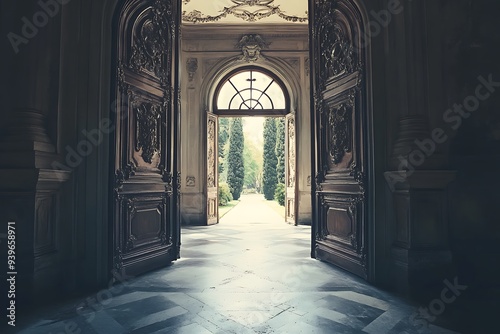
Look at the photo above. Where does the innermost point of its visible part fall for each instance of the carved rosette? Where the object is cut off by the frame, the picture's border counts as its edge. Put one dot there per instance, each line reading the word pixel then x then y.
pixel 340 126
pixel 211 154
pixel 148 122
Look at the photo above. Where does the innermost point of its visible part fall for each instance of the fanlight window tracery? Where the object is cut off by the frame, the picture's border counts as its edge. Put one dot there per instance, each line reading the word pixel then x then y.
pixel 251 92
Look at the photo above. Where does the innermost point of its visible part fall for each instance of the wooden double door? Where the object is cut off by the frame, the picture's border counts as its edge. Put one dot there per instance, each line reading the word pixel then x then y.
pixel 145 174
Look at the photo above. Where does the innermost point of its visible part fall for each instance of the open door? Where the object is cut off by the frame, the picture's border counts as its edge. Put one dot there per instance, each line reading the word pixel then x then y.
pixel 290 170
pixel 145 219
pixel 340 114
pixel 212 170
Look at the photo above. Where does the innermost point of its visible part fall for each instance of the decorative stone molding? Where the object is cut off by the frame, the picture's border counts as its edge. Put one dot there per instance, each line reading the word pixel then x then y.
pixel 241 9
pixel 192 67
pixel 190 181
pixel 250 46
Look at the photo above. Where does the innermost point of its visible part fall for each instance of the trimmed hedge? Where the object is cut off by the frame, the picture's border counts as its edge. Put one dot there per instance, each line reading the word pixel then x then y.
pixel 224 194
pixel 279 194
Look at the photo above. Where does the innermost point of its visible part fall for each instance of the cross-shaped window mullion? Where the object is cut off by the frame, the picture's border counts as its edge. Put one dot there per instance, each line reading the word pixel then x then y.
pixel 237 91
pixel 264 91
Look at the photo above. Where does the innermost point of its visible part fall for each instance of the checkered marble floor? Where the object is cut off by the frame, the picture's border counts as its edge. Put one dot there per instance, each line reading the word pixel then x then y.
pixel 251 273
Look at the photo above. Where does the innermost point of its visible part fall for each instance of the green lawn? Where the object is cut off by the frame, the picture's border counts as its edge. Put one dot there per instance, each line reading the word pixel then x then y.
pixel 226 208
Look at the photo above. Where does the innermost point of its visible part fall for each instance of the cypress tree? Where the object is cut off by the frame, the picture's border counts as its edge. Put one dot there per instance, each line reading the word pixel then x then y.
pixel 235 164
pixel 280 149
pixel 269 176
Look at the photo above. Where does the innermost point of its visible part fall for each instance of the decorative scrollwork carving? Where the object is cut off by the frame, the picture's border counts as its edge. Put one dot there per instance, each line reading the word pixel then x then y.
pixel 319 178
pixel 211 154
pixel 163 238
pixel 241 9
pixel 148 132
pixel 150 46
pixel 118 259
pixel 359 176
pixel 121 175
pixel 178 191
pixel 291 152
pixel 120 76
pixel 131 242
pixel 354 241
pixel 192 67
pixel 340 124
pixel 337 52
pixel 190 181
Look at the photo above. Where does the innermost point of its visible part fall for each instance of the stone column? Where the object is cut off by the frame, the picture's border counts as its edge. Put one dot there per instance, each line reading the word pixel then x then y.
pixel 417 176
pixel 28 181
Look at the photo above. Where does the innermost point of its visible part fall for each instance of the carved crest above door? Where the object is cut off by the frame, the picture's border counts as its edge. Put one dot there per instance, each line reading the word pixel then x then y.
pixel 250 46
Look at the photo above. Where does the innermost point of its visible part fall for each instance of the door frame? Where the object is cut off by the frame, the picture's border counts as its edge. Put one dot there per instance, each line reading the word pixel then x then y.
pixel 226 67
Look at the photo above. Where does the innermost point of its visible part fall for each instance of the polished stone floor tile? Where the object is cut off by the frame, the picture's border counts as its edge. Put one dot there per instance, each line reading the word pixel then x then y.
pixel 252 273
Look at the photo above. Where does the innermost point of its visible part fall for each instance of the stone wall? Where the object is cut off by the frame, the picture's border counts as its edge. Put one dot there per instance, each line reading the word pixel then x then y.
pixel 208 53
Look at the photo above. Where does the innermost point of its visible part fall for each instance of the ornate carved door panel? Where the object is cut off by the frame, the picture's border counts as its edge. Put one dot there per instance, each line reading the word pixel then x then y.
pixel 145 191
pixel 340 142
pixel 212 173
pixel 290 175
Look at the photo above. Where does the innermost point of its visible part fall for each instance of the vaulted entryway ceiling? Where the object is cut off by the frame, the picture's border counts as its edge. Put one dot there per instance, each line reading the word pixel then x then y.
pixel 244 11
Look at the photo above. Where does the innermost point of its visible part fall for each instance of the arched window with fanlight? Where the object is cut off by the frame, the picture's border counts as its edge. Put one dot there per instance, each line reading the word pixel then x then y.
pixel 251 91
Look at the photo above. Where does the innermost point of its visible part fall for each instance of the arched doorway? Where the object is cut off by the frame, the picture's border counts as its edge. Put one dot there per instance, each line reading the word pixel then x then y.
pixel 250 91
pixel 145 167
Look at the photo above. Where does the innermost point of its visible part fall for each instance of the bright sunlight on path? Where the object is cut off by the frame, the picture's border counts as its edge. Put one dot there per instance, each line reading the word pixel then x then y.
pixel 252 208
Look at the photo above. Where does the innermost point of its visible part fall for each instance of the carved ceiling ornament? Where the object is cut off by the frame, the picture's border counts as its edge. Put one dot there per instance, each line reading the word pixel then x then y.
pixel 148 121
pixel 250 46
pixel 340 128
pixel 337 51
pixel 247 10
pixel 150 44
